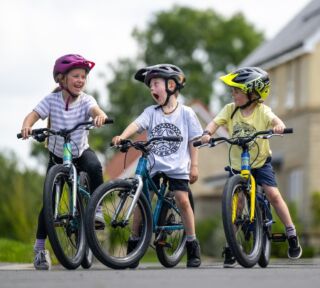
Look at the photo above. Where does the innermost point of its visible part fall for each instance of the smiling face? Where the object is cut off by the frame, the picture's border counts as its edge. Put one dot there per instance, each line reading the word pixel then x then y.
pixel 75 80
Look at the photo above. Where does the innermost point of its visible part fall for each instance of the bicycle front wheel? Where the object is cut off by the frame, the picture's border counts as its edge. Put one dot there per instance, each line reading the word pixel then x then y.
pixel 244 237
pixel 170 243
pixel 84 182
pixel 110 244
pixel 65 229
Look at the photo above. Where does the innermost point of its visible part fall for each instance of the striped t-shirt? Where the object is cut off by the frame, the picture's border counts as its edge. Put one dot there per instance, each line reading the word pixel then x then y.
pixel 54 105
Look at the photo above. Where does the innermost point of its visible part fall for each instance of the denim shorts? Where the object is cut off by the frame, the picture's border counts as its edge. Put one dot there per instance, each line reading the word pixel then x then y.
pixel 263 175
pixel 174 184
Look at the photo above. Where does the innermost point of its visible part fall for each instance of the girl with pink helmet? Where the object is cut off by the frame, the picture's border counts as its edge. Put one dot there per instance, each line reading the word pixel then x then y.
pixel 66 106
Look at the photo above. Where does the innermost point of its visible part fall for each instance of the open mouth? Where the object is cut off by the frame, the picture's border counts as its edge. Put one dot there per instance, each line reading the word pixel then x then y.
pixel 156 96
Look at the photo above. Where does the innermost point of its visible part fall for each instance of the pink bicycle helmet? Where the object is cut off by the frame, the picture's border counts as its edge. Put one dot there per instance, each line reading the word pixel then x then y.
pixel 70 61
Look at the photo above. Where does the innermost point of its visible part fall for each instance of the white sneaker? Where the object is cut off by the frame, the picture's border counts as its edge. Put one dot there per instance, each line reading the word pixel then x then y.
pixel 99 222
pixel 42 260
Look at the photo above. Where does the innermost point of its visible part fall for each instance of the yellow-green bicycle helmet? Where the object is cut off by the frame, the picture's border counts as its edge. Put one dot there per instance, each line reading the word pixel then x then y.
pixel 250 80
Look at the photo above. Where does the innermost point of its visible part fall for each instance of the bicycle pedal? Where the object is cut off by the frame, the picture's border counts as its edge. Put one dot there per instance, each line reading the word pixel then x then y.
pixel 163 244
pixel 278 237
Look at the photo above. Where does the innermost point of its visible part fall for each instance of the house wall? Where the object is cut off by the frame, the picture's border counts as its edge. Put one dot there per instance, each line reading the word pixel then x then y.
pixel 302 112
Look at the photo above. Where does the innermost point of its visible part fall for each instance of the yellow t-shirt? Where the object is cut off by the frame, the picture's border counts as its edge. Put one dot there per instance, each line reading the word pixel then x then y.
pixel 259 120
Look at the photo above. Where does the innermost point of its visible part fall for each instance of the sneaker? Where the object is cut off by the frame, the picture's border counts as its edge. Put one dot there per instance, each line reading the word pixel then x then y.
pixel 295 250
pixel 42 260
pixel 193 253
pixel 99 221
pixel 229 259
pixel 132 244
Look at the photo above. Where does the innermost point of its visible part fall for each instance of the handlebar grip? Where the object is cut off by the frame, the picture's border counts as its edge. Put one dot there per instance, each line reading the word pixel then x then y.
pixel 197 143
pixel 287 130
pixel 108 121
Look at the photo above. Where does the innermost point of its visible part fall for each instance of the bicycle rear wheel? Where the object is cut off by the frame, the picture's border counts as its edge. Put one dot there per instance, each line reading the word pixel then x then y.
pixel 170 244
pixel 243 236
pixel 266 241
pixel 110 245
pixel 66 232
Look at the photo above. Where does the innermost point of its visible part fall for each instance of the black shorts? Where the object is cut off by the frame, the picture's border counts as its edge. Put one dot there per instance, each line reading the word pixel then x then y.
pixel 174 184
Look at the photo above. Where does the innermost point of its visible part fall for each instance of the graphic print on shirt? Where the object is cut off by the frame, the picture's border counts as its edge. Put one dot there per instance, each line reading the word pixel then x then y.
pixel 241 129
pixel 165 148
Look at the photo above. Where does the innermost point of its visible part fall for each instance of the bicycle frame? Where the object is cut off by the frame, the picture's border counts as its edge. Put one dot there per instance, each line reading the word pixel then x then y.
pixel 145 183
pixel 246 173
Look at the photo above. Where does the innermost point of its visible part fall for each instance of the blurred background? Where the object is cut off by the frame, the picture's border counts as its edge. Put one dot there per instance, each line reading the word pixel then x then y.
pixel 206 38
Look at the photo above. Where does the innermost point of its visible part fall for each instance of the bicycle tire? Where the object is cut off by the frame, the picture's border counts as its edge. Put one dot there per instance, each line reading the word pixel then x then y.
pixel 110 245
pixel 88 255
pixel 171 245
pixel 266 243
pixel 66 233
pixel 244 238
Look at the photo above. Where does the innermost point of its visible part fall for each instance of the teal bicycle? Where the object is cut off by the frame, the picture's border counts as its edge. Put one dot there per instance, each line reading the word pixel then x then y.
pixel 129 212
pixel 66 195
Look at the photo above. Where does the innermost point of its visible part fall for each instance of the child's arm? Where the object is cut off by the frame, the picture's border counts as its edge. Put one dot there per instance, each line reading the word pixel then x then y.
pixel 194 172
pixel 99 117
pixel 27 124
pixel 130 130
pixel 278 125
pixel 211 128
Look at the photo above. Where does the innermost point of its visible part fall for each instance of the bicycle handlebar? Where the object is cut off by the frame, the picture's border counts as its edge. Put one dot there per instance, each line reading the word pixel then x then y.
pixel 62 132
pixel 242 140
pixel 125 144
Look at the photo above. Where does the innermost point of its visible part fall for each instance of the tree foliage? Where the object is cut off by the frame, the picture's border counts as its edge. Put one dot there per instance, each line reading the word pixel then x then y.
pixel 201 42
pixel 21 198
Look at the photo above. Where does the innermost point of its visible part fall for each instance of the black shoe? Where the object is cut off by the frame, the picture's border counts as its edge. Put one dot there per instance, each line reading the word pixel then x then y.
pixel 229 259
pixel 295 250
pixel 132 244
pixel 193 253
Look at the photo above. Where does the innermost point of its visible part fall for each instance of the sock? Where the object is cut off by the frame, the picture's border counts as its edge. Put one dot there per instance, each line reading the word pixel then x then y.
pixel 39 245
pixel 291 231
pixel 191 238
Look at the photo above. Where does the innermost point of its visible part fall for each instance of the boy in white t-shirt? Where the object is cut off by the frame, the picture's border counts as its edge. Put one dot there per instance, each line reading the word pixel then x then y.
pixel 178 160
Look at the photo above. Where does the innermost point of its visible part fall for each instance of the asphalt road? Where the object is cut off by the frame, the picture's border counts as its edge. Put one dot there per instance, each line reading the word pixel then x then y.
pixel 280 273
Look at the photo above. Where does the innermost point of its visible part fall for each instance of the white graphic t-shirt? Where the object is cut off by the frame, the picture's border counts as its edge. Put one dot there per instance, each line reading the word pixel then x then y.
pixel 172 158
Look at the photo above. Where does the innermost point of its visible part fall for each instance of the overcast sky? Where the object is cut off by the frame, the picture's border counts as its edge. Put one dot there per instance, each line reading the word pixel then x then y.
pixel 33 33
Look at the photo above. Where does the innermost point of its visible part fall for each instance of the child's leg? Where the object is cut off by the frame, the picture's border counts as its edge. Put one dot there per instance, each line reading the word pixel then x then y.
pixel 193 247
pixel 276 200
pixel 183 203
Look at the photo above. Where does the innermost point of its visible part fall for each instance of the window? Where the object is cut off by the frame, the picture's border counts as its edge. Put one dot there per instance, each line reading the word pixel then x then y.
pixel 289 102
pixel 295 186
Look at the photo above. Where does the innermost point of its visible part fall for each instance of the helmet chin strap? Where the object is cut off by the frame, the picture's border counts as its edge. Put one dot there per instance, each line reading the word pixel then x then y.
pixel 245 105
pixel 169 94
pixel 70 96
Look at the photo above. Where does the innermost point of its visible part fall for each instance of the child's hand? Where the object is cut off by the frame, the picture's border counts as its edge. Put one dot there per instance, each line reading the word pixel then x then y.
pixel 194 173
pixel 26 132
pixel 205 138
pixel 116 140
pixel 99 120
pixel 278 129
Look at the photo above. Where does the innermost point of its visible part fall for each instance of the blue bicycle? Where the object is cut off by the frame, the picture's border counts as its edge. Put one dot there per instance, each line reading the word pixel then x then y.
pixel 132 217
